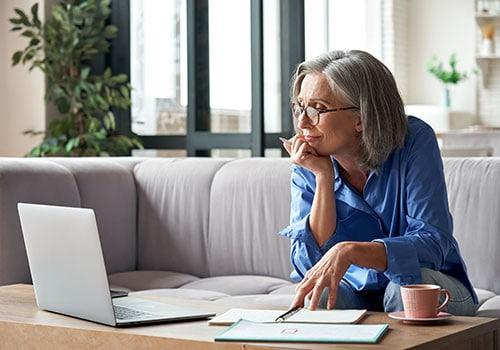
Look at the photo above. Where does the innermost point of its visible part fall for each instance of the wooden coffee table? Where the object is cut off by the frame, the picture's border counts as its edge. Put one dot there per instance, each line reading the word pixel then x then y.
pixel 23 326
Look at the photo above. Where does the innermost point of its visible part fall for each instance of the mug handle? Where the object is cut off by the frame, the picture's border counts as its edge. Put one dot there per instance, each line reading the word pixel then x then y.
pixel 446 300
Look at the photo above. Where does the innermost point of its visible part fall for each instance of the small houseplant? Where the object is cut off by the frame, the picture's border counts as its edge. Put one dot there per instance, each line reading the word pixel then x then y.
pixel 447 77
pixel 63 48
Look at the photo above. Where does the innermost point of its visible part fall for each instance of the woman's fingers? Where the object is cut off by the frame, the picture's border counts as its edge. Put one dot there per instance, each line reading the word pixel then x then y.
pixel 332 295
pixel 302 290
pixel 316 293
pixel 302 151
pixel 287 144
pixel 296 144
pixel 298 149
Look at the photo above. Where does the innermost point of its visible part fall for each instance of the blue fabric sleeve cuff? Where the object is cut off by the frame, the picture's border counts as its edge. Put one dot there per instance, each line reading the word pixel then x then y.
pixel 403 266
pixel 300 231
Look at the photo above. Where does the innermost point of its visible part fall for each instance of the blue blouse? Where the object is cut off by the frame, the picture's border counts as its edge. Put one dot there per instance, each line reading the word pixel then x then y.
pixel 404 206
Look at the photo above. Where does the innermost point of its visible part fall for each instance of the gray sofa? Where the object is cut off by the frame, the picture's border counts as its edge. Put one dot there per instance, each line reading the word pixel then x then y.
pixel 206 228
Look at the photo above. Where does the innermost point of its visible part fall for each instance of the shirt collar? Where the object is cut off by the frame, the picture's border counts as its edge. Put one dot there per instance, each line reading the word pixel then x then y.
pixel 345 194
pixel 338 180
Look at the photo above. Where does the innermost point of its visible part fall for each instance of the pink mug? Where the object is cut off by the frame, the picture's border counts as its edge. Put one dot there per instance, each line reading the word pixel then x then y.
pixel 422 300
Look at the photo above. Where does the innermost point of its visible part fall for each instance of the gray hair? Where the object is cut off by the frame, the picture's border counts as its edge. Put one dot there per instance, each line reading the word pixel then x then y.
pixel 366 83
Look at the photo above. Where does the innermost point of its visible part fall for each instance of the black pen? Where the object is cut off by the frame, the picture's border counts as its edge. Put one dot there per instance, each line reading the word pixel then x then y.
pixel 287 314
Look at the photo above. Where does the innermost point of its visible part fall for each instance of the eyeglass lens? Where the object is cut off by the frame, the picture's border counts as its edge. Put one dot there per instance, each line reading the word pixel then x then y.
pixel 311 112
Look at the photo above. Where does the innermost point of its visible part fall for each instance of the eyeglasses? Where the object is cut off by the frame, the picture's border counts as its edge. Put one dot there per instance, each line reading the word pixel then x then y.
pixel 313 113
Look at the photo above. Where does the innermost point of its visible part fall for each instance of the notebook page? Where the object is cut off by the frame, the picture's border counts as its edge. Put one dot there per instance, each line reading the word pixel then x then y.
pixel 234 315
pixel 327 316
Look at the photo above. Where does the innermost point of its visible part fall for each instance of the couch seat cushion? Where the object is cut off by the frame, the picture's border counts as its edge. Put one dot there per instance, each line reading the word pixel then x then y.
pixel 238 284
pixel 258 301
pixel 288 289
pixel 143 280
pixel 183 293
pixel 490 308
pixel 483 295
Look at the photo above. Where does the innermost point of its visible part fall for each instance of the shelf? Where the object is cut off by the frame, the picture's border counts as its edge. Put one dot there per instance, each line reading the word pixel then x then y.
pixel 487 18
pixel 484 64
pixel 492 57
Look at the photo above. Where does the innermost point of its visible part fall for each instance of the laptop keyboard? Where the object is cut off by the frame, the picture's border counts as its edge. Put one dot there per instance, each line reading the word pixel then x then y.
pixel 124 313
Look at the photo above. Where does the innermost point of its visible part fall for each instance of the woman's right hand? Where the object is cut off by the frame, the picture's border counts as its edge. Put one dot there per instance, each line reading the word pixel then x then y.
pixel 303 154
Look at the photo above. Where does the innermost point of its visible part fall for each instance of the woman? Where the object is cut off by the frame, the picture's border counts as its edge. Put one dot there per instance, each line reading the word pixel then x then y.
pixel 369 205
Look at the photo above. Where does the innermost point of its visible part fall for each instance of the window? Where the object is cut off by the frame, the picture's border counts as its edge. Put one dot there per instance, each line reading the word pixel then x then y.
pixel 230 66
pixel 205 77
pixel 343 24
pixel 158 67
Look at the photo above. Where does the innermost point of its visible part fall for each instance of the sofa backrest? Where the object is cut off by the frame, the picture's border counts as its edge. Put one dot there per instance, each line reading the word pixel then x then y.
pixel 173 213
pixel 249 204
pixel 474 195
pixel 211 217
pixel 106 185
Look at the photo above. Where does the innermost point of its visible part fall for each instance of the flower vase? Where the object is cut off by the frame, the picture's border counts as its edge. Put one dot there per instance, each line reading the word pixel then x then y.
pixel 446 102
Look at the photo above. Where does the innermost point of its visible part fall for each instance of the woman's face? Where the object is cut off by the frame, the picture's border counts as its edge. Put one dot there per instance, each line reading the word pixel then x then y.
pixel 337 133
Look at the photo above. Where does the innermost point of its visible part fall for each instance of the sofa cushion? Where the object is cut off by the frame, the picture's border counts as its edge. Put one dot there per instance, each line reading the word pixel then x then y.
pixel 184 293
pixel 483 295
pixel 143 280
pixel 108 187
pixel 288 289
pixel 32 181
pixel 261 301
pixel 490 308
pixel 473 189
pixel 249 204
pixel 173 209
pixel 238 285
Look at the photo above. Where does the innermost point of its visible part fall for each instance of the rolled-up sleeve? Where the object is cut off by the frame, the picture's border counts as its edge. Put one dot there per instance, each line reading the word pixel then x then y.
pixel 305 252
pixel 428 234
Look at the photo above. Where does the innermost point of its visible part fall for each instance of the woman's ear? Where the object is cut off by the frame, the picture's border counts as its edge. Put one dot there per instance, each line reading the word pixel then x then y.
pixel 358 126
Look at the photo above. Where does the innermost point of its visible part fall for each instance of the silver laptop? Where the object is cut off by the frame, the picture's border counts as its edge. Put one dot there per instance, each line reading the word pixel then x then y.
pixel 68 272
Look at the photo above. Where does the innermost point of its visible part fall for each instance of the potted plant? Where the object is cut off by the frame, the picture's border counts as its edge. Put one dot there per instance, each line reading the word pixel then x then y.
pixel 63 48
pixel 447 77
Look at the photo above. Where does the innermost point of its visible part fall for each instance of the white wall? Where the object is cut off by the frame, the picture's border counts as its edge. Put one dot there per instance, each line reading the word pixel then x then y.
pixel 441 27
pixel 22 103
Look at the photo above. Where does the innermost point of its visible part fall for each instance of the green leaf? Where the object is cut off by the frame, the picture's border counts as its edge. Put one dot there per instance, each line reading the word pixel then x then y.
pixel 101 134
pixel 84 73
pixel 16 57
pixel 72 143
pixel 107 123
pixel 36 19
pixel 15 21
pixel 24 19
pixel 62 104
pixel 110 32
pixel 112 120
pixel 120 78
pixel 28 33
pixel 107 73
pixel 15 29
pixel 124 91
pixel 29 55
pixel 34 42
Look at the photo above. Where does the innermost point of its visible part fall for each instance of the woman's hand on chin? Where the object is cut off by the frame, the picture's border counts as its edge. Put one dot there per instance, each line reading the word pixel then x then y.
pixel 327 273
pixel 303 154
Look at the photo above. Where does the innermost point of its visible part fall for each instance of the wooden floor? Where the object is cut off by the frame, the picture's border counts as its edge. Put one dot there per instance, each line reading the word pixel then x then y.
pixel 23 326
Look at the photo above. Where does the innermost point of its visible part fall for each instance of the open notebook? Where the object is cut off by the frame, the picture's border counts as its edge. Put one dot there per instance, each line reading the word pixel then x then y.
pixel 301 316
pixel 302 332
